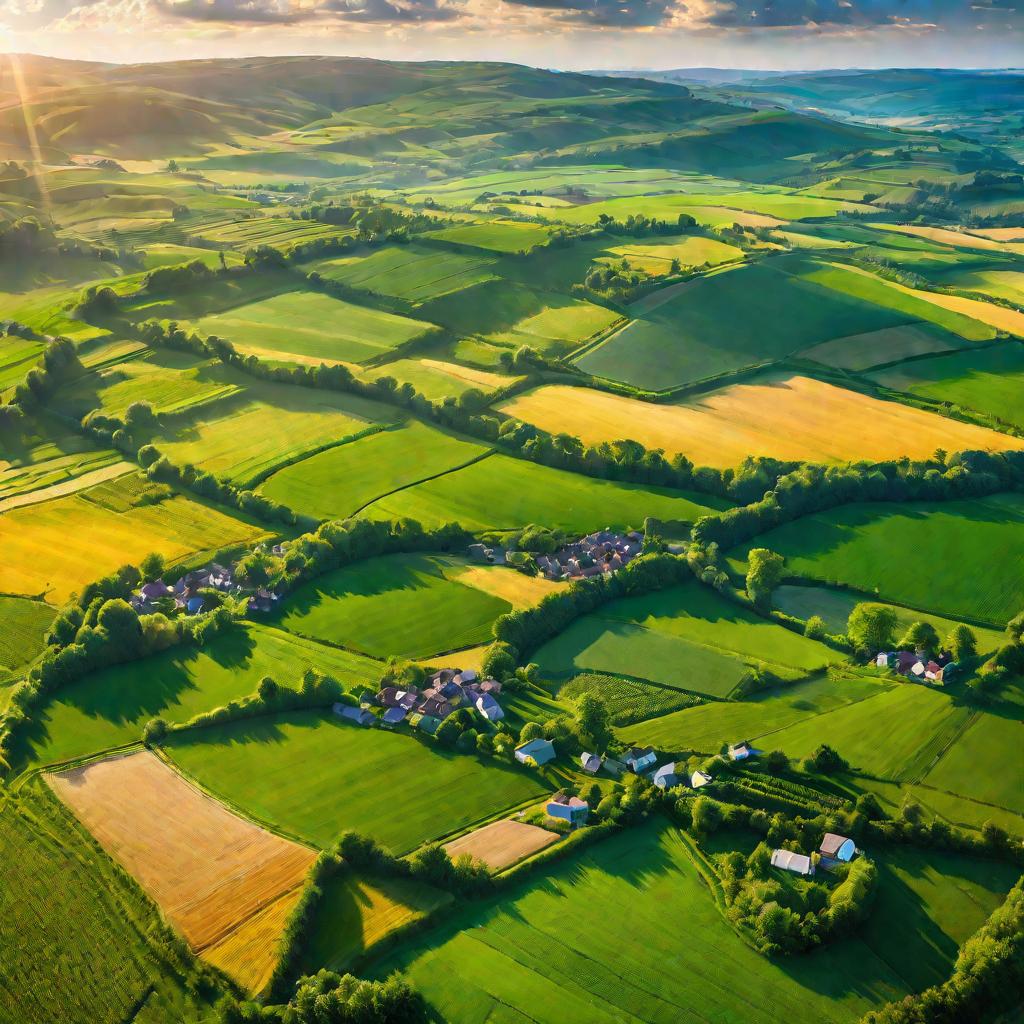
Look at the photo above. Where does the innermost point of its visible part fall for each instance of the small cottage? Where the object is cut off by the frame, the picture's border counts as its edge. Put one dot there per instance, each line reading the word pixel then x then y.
pixel 489 708
pixel 353 714
pixel 591 762
pixel 639 758
pixel 570 808
pixel 699 779
pixel 740 751
pixel 537 752
pixel 798 863
pixel 665 777
pixel 837 847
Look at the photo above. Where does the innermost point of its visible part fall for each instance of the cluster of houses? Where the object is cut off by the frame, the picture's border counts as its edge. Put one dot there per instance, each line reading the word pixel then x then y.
pixel 425 709
pixel 595 554
pixel 918 667
pixel 834 849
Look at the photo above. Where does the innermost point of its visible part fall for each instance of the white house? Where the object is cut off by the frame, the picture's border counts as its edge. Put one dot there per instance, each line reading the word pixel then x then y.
pixel 798 863
pixel 740 751
pixel 640 758
pixel 489 708
pixel 698 779
pixel 591 762
pixel 837 847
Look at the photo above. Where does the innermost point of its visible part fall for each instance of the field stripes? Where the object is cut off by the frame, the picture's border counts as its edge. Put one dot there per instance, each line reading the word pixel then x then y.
pixel 70 486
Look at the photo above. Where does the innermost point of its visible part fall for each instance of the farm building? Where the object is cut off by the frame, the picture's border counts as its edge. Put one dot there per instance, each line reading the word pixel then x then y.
pixel 740 751
pixel 698 779
pixel 591 762
pixel 639 758
pixel 571 808
pixel 597 553
pixel 392 697
pixel 536 752
pixel 613 767
pixel 352 714
pixel 837 847
pixel 489 708
pixel 798 863
pixel 916 666
pixel 194 605
pixel 665 777
pixel 394 716
pixel 154 591
pixel 426 723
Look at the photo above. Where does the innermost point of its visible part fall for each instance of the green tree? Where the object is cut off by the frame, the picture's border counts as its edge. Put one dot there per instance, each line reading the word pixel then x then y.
pixel 764 573
pixel 449 731
pixel 593 721
pixel 826 760
pixel 962 643
pixel 815 628
pixel 920 637
pixel 706 815
pixel 152 566
pixel 776 761
pixel 154 732
pixel 530 731
pixel 871 627
pixel 121 624
pixel 267 689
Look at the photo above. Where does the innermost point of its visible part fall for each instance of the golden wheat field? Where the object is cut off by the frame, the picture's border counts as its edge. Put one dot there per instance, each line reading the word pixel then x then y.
pixel 502 843
pixel 520 590
pixel 212 873
pixel 785 417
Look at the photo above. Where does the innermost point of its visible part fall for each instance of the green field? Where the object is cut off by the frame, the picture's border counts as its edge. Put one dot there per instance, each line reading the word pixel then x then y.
pixel 73 940
pixel 504 493
pixel 628 700
pixel 395 605
pixel 555 952
pixel 55 462
pixel 881 549
pixel 438 379
pixel 338 482
pixel 110 708
pixel 23 627
pixel 889 345
pixel 315 776
pixel 990 381
pixel 312 327
pixel 503 236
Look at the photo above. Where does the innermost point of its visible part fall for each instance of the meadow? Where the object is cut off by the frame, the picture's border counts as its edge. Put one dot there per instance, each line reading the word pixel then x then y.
pixel 438 379
pixel 313 327
pixel 781 416
pixel 53 548
pixel 338 482
pixel 402 605
pixel 691 251
pixel 109 708
pixel 23 628
pixel 916 554
pixel 628 700
pixel 503 493
pixel 289 770
pixel 889 345
pixel 501 236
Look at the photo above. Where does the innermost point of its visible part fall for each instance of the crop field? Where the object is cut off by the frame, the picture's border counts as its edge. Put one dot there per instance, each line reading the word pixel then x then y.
pixel 545 953
pixel 209 870
pixel 23 627
pixel 785 417
pixel 71 937
pixel 502 236
pixel 559 326
pixel 313 326
pixel 989 380
pixel 439 378
pixel 628 700
pixel 338 482
pixel 676 335
pixel 889 345
pixel 520 590
pixel 690 251
pixel 502 843
pixel 907 553
pixel 398 604
pixel 500 492
pixel 415 273
pixel 835 605
pixel 53 548
pixel 358 912
pixel 108 708
pixel 707 726
pixel 276 231
pixel 290 769
pixel 1003 284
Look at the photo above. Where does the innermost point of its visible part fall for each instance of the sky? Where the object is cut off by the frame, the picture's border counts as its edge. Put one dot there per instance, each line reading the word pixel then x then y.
pixel 563 34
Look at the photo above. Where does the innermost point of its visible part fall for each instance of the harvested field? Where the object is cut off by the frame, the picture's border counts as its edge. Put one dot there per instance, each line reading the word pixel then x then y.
pixel 502 843
pixel 438 378
pixel 209 870
pixel 782 417
pixel 945 236
pixel 520 590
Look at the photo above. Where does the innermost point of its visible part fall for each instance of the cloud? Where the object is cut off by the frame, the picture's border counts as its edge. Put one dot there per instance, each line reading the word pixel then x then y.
pixel 393 11
pixel 863 14
pixel 608 13
pixel 397 12
pixel 28 14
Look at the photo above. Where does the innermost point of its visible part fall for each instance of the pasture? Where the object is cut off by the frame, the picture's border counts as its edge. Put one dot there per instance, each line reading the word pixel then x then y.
pixel 23 628
pixel 503 493
pixel 889 345
pixel 312 327
pixel 292 770
pixel 209 870
pixel 56 464
pixel 907 554
pixel 403 605
pixel 1002 284
pixel 51 549
pixel 109 708
pixel 785 417
pixel 691 251
pixel 499 236
pixel 628 700
pixel 438 378
pixel 502 843
pixel 338 482
pixel 547 952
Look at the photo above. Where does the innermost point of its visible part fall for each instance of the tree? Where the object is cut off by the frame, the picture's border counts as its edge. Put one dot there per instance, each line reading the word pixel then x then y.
pixel 920 637
pixel 139 414
pixel 448 732
pixel 328 998
pixel 962 643
pixel 764 573
pixel 530 731
pixel 172 166
pixel 776 761
pixel 815 628
pixel 593 721
pixel 826 760
pixel 267 689
pixel 871 627
pixel 154 732
pixel 255 569
pixel 121 624
pixel 707 815
pixel 152 566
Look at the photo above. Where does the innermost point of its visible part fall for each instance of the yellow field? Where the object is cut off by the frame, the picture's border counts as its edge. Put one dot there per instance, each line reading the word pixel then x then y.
pixel 218 878
pixel 656 258
pixel 471 657
pixel 480 378
pixel 65 487
pixel 53 548
pixel 502 843
pixel 783 417
pixel 944 236
pixel 1000 234
pixel 520 590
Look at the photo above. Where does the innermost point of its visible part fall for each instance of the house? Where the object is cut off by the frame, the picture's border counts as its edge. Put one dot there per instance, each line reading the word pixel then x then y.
pixel 394 716
pixel 699 778
pixel 740 751
pixel 427 724
pixel 489 708
pixel 194 605
pixel 443 676
pixel 468 676
pixel 639 758
pixel 155 591
pixel 435 707
pixel 491 686
pixel 192 581
pixel 278 550
pixel 665 777
pixel 613 767
pixel 917 669
pixel 537 752
pixel 933 671
pixel 356 715
pixel 903 661
pixel 221 578
pixel 591 762
pixel 882 659
pixel 571 808
pixel 837 847
pixel 480 553
pixel 798 863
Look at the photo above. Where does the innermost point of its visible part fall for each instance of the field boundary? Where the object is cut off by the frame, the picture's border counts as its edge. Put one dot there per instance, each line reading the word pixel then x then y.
pixel 70 486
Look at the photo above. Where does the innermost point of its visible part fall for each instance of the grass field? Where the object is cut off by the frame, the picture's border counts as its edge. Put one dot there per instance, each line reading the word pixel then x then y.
pixel 520 590
pixel 784 417
pixel 312 326
pixel 504 493
pixel 338 482
pixel 628 700
pixel 559 325
pixel 72 939
pixel 53 548
pixel 1003 284
pixel 439 378
pixel 502 843
pixel 550 953
pixel 912 554
pixel 691 251
pixel 395 605
pixel 209 870
pixel 23 627
pixel 889 345
pixel 356 913
pixel 502 236
pixel 315 776
pixel 109 708
pixel 989 381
